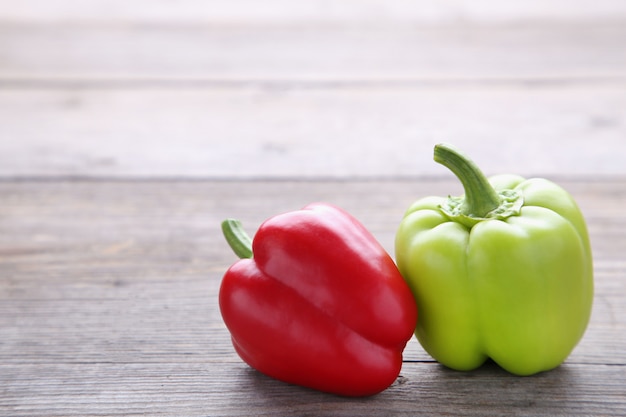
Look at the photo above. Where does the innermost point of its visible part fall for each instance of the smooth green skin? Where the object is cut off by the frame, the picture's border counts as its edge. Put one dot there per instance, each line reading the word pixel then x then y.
pixel 518 291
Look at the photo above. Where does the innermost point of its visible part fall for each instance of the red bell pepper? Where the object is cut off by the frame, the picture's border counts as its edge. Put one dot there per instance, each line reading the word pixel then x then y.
pixel 320 304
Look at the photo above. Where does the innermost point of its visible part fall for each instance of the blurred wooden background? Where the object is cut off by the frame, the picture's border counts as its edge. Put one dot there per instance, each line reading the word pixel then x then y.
pixel 129 130
pixel 307 89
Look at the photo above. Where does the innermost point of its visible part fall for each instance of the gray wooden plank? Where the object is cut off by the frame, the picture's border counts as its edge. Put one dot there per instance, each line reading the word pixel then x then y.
pixel 341 132
pixel 173 389
pixel 93 51
pixel 108 305
pixel 277 11
pixel 138 265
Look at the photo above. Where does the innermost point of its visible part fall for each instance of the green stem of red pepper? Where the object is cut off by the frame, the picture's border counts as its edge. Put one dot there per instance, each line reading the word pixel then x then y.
pixel 481 201
pixel 237 238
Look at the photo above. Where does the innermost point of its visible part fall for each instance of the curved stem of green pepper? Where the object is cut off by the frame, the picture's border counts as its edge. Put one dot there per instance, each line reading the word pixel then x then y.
pixel 237 238
pixel 480 197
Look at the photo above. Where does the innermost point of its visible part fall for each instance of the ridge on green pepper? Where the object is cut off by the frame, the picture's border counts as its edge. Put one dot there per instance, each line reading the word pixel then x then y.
pixel 503 272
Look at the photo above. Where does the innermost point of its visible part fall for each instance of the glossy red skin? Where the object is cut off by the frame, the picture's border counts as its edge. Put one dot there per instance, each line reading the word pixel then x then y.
pixel 321 305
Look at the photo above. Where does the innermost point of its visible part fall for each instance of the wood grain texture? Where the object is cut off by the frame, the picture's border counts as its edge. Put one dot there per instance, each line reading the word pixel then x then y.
pixel 108 305
pixel 281 11
pixel 301 51
pixel 335 132
pixel 172 389
pixel 309 89
pixel 129 130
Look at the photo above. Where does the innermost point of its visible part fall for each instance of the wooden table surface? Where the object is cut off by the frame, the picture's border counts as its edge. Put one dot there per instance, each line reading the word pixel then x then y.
pixel 129 130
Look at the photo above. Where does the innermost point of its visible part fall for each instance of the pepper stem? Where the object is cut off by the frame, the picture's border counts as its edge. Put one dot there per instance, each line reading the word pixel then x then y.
pixel 480 197
pixel 237 238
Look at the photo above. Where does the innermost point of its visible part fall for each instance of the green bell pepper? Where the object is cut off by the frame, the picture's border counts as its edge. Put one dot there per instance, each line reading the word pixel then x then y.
pixel 504 272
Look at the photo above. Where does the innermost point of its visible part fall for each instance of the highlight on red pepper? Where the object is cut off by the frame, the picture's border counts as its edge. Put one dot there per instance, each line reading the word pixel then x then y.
pixel 316 301
pixel 504 272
